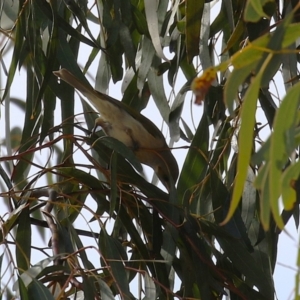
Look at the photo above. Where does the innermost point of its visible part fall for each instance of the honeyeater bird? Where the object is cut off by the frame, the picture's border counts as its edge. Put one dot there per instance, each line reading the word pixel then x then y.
pixel 131 128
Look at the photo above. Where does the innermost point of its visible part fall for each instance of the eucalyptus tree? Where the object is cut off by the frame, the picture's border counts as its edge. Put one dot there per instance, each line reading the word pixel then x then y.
pixel 81 216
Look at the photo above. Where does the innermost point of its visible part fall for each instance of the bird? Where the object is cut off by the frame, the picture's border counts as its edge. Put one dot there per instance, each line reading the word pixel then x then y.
pixel 130 127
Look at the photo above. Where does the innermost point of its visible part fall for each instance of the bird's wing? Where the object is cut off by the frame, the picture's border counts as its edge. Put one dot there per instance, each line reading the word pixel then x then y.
pixel 95 97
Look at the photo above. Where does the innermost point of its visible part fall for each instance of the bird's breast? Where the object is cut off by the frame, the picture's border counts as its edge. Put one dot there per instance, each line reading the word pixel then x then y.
pixel 125 128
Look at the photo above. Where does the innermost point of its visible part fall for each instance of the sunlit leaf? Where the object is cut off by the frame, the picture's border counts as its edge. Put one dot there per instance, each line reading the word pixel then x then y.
pixel 282 143
pixel 252 53
pixel 236 35
pixel 245 138
pixel 289 177
pixel 255 10
pixel 290 34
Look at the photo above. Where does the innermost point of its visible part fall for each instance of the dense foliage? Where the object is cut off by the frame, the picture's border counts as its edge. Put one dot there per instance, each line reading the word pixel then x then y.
pixel 112 231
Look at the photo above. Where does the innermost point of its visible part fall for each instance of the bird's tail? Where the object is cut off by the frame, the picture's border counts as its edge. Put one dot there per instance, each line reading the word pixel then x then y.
pixel 85 88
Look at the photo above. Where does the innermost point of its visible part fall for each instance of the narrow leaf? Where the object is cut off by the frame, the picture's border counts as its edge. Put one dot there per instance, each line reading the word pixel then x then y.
pixel 282 144
pixel 152 21
pixel 194 10
pixel 127 43
pixel 113 184
pixel 246 133
pixel 23 290
pixel 109 249
pixel 124 151
pixel 23 240
pixel 288 178
pixel 105 291
pixel 254 10
pixel 37 291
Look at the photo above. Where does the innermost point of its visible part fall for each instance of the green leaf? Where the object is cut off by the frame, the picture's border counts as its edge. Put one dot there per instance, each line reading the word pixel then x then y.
pixel 297 276
pixel 156 87
pixel 175 117
pixel 115 57
pixel 262 154
pixel 89 287
pixel 127 43
pixel 105 291
pixel 48 120
pixel 290 34
pixel 249 199
pixel 140 21
pixel 151 11
pixel 121 149
pixel 29 134
pixel 252 53
pixel 37 291
pixel 193 10
pixel 195 163
pixel 262 183
pixel 23 240
pixel 247 265
pixel 85 259
pixel 148 52
pixel 268 105
pixel 19 42
pixel 150 290
pixel 47 71
pixel 254 10
pixel 103 74
pixel 65 26
pixel 79 12
pixel 78 196
pixel 32 273
pixel 245 141
pixel 22 289
pixel 282 144
pixel 113 260
pixel 113 184
pixel 262 252
pixel 11 221
pixel 236 35
pixel 236 78
pixel 288 178
pixel 83 177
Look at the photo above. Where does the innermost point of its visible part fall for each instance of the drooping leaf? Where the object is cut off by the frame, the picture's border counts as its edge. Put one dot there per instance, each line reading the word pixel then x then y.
pixel 23 239
pixel 151 11
pixel 195 163
pixel 254 10
pixel 113 259
pixel 36 290
pixel 193 10
pixel 245 138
